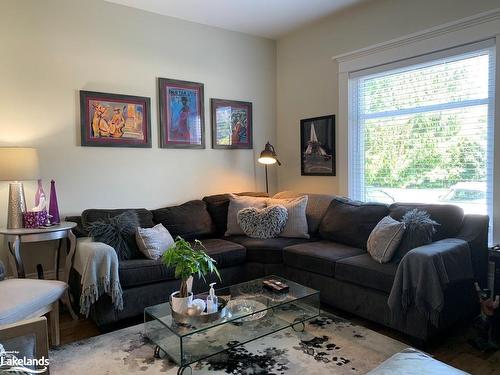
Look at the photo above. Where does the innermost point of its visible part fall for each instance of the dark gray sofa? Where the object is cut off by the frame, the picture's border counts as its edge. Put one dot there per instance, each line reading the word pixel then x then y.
pixel 333 261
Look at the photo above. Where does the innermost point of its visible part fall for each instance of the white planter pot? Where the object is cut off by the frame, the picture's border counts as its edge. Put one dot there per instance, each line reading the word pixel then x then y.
pixel 180 305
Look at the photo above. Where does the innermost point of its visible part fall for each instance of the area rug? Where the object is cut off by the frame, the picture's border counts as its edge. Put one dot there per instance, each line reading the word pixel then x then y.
pixel 328 345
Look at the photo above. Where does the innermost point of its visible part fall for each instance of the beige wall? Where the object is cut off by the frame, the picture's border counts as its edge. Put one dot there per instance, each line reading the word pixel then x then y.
pixel 307 83
pixel 51 49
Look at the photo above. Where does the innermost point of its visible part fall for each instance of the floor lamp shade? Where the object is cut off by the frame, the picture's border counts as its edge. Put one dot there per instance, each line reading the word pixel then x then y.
pixel 16 165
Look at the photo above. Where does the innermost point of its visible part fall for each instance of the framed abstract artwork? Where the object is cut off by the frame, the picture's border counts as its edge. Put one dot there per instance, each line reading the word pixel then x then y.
pixel 113 120
pixel 182 114
pixel 317 146
pixel 231 124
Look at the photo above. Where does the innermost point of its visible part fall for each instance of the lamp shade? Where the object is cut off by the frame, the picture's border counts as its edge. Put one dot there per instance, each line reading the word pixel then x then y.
pixel 268 155
pixel 18 164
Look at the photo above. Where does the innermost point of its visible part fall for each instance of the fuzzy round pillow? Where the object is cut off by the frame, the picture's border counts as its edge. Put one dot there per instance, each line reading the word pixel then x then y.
pixel 263 223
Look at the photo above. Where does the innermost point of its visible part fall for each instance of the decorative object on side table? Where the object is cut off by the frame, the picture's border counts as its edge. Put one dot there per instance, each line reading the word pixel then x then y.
pixel 17 164
pixel 53 205
pixel 231 124
pixel 268 156
pixel 182 114
pixel 317 146
pixel 187 261
pixel 112 120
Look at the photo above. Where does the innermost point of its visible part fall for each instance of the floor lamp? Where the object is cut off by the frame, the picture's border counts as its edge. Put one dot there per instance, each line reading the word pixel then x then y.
pixel 268 156
pixel 16 165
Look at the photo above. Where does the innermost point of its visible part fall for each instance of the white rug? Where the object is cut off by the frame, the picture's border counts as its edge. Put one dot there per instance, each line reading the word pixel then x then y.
pixel 329 345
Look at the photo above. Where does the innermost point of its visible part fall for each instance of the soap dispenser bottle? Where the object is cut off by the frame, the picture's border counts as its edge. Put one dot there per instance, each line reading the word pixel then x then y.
pixel 212 302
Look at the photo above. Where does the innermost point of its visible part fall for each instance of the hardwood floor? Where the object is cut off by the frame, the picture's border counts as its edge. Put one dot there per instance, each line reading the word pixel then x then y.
pixel 452 348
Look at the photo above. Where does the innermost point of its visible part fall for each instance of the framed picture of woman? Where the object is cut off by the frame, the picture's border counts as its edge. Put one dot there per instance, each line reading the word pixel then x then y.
pixel 182 115
pixel 231 124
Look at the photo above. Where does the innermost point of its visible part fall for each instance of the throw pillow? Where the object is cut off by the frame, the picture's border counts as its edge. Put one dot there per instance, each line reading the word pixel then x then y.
pixel 153 242
pixel 296 225
pixel 236 204
pixel 117 232
pixel 420 229
pixel 263 223
pixel 385 239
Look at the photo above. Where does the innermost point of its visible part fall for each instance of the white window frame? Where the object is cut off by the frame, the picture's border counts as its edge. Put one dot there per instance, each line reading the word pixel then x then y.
pixel 441 39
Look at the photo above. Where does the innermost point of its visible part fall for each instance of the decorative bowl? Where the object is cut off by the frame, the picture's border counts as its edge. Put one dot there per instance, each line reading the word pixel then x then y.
pixel 221 313
pixel 241 306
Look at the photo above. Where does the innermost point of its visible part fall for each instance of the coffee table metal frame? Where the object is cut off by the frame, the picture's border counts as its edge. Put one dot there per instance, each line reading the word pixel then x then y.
pixel 186 344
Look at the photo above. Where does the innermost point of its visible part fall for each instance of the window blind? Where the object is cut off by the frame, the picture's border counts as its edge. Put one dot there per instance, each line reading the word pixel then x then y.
pixel 422 130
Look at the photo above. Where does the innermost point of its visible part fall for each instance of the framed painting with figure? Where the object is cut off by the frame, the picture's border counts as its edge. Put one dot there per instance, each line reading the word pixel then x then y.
pixel 317 146
pixel 231 124
pixel 182 115
pixel 113 120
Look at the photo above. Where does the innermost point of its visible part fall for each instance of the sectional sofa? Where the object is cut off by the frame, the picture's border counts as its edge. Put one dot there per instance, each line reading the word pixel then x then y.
pixel 334 260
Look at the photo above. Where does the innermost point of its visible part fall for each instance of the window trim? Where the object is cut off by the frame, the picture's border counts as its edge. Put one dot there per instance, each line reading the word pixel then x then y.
pixel 477 28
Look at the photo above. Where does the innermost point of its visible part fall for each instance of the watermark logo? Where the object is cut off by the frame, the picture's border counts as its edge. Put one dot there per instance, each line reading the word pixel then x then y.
pixel 10 362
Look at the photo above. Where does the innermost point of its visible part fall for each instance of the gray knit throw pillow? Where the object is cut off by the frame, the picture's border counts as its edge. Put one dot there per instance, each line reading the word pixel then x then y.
pixel 117 232
pixel 420 229
pixel 263 223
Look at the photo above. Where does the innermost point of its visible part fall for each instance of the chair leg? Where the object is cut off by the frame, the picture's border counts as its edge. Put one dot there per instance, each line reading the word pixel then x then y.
pixel 54 324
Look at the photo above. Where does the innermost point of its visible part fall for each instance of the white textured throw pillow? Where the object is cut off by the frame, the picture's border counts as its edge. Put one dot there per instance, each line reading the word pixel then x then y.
pixel 384 239
pixel 153 242
pixel 236 204
pixel 296 225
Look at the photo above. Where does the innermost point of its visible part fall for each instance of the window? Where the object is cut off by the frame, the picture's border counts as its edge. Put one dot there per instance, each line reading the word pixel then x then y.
pixel 421 130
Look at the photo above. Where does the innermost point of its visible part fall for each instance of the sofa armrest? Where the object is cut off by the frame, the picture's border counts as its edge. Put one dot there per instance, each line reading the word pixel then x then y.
pixel 475 231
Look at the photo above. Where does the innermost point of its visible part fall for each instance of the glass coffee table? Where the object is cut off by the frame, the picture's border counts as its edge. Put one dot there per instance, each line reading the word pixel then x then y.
pixel 252 312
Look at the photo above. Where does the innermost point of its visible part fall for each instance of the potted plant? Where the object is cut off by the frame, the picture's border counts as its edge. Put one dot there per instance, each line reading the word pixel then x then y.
pixel 187 260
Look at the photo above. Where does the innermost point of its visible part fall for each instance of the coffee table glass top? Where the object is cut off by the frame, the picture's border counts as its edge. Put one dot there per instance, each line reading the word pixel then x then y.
pixel 253 312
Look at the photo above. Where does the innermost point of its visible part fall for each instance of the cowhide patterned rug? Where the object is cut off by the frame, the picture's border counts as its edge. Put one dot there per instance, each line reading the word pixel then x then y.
pixel 329 345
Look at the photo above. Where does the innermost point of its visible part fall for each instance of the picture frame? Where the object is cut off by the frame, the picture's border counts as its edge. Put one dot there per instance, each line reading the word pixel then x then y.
pixel 114 120
pixel 232 124
pixel 182 114
pixel 317 146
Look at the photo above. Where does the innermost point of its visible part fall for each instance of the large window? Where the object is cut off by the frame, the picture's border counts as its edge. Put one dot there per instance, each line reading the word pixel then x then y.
pixel 422 130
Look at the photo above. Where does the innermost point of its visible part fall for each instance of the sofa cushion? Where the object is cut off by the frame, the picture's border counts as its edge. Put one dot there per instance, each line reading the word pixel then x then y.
pixel 318 257
pixel 137 272
pixel 269 251
pixel 189 220
pixel 364 271
pixel 350 222
pixel 317 204
pixel 94 214
pixel 449 216
pixel 217 206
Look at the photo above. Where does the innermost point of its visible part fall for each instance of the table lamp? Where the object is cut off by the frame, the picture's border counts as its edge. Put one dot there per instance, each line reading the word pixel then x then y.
pixel 17 164
pixel 268 156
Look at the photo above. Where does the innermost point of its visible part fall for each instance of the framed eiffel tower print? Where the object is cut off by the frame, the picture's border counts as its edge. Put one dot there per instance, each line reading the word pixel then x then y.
pixel 317 146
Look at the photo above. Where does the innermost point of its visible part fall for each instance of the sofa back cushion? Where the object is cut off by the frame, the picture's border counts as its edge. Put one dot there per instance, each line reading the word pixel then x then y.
pixel 217 206
pixel 317 204
pixel 350 222
pixel 448 216
pixel 189 220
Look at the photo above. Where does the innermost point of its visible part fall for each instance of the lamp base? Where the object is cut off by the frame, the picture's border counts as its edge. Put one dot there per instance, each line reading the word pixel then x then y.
pixel 17 206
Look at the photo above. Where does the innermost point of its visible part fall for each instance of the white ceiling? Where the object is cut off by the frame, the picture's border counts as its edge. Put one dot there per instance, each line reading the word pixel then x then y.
pixel 267 18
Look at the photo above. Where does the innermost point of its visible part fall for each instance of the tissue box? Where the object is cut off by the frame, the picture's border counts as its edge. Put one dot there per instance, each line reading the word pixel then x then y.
pixel 35 219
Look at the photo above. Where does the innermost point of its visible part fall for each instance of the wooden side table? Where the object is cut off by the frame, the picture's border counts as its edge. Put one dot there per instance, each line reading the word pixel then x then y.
pixel 15 237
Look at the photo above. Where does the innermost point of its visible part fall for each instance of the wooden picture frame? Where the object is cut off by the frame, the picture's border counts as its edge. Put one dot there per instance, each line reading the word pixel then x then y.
pixel 114 120
pixel 182 114
pixel 232 126
pixel 317 146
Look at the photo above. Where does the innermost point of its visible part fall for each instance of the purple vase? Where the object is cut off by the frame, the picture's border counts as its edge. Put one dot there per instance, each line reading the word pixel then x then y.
pixel 39 193
pixel 53 207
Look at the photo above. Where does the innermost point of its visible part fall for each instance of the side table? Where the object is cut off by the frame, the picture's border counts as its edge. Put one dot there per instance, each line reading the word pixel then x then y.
pixel 494 256
pixel 15 237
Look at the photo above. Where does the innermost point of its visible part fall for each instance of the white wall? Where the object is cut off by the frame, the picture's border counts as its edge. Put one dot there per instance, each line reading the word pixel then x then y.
pixel 51 49
pixel 307 77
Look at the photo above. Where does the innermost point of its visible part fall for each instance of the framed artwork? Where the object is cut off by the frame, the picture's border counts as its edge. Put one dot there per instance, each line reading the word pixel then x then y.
pixel 231 124
pixel 182 114
pixel 317 146
pixel 112 120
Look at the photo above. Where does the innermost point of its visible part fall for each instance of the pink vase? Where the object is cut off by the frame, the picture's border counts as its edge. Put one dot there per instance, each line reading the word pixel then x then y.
pixel 53 207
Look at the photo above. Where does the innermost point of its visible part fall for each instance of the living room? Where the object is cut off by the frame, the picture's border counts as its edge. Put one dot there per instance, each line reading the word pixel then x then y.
pixel 133 129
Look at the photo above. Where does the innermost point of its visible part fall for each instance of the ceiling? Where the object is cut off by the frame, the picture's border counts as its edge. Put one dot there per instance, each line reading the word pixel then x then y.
pixel 267 18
